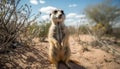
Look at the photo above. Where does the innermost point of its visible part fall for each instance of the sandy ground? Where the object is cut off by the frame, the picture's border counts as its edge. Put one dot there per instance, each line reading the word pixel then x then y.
pixel 36 57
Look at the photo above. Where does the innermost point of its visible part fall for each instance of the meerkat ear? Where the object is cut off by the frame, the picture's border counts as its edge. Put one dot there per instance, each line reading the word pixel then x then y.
pixel 62 11
pixel 50 14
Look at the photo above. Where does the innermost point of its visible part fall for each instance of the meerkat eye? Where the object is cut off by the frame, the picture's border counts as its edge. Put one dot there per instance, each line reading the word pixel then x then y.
pixel 55 12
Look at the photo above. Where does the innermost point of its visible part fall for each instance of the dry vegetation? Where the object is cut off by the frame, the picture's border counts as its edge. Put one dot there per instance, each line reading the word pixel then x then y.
pixel 23 42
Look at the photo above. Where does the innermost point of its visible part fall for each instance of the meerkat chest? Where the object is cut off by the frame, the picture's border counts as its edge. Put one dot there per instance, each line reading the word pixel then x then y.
pixel 59 32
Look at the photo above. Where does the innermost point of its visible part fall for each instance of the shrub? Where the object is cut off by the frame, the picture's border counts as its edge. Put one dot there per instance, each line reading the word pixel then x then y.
pixel 99 29
pixel 44 28
pixel 72 30
pixel 14 21
pixel 83 29
pixel 36 30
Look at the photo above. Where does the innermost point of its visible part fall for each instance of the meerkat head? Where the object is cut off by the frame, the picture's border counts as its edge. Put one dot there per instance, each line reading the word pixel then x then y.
pixel 57 16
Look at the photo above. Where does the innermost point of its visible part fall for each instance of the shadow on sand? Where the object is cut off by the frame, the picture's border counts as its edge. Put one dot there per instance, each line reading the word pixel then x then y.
pixel 24 58
pixel 72 64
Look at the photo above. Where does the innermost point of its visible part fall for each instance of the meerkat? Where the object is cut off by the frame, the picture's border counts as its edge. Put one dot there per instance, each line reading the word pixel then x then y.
pixel 58 38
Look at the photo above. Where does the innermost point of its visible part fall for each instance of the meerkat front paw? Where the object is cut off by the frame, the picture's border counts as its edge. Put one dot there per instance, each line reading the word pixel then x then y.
pixel 57 43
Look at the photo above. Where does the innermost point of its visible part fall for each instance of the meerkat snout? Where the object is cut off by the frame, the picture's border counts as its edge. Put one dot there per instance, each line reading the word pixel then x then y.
pixel 60 16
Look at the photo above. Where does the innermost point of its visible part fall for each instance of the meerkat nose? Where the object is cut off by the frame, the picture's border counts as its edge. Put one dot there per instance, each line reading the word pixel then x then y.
pixel 60 16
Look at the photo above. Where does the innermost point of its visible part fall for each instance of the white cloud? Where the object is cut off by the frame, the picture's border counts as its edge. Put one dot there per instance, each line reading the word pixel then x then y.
pixel 44 17
pixel 73 5
pixel 69 20
pixel 47 9
pixel 75 19
pixel 42 1
pixel 72 22
pixel 23 12
pixel 71 15
pixel 74 15
pixel 80 16
pixel 35 2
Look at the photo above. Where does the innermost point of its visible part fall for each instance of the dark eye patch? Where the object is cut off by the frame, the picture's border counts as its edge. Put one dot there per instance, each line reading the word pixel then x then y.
pixel 62 11
pixel 55 11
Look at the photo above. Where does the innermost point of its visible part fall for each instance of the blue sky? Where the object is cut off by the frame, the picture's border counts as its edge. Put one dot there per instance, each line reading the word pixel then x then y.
pixel 72 8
